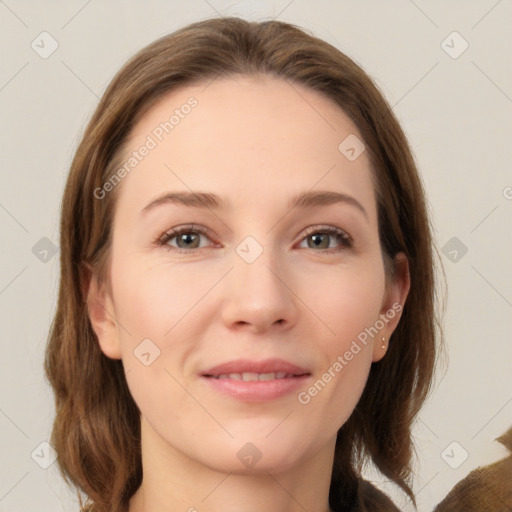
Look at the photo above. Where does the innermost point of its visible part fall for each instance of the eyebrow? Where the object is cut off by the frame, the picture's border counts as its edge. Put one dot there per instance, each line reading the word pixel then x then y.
pixel 214 202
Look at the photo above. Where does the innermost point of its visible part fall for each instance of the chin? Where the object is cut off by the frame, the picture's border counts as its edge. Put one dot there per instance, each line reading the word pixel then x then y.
pixel 267 464
pixel 261 455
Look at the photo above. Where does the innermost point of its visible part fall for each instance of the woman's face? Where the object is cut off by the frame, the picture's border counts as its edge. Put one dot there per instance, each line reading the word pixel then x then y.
pixel 295 290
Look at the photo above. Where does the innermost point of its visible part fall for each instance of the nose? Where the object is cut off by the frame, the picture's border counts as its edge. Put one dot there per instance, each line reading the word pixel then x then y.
pixel 258 296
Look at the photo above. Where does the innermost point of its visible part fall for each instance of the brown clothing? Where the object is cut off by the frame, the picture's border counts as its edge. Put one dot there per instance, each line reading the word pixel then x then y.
pixel 486 489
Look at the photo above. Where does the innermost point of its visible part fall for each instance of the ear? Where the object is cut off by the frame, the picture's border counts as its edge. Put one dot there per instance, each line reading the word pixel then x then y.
pixel 397 289
pixel 101 313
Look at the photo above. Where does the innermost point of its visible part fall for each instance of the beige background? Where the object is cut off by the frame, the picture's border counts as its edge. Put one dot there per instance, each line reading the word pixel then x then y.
pixel 456 112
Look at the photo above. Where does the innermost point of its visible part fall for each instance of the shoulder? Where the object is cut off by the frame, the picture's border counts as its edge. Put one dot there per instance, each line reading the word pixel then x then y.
pixel 485 488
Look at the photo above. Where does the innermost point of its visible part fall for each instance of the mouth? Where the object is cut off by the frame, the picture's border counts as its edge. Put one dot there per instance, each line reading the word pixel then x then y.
pixel 252 377
pixel 277 368
pixel 256 381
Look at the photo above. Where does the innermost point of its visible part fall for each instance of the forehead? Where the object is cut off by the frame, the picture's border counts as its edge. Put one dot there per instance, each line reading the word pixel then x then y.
pixel 250 137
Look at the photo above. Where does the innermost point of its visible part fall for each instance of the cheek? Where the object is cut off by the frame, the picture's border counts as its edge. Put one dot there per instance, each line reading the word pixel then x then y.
pixel 162 317
pixel 350 306
pixel 346 300
pixel 155 307
pixel 152 302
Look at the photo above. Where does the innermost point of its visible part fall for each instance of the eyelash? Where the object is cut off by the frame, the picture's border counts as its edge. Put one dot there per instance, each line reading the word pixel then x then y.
pixel 345 239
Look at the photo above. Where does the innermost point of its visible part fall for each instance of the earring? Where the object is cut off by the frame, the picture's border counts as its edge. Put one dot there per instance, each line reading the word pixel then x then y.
pixel 383 345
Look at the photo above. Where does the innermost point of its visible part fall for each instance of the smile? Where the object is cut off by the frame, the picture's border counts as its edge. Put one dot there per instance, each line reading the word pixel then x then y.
pixel 251 377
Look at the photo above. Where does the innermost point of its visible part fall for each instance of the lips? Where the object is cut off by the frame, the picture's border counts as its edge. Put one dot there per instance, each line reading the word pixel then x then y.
pixel 248 370
pixel 256 381
pixel 251 376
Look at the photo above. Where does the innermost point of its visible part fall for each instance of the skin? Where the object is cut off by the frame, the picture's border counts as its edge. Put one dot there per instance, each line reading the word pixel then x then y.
pixel 257 142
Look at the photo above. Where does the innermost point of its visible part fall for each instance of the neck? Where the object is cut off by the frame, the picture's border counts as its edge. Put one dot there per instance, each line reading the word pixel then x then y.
pixel 173 482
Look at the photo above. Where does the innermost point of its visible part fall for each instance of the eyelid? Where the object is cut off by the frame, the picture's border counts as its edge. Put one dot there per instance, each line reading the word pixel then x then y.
pixel 346 239
pixel 185 228
pixel 178 229
pixel 321 228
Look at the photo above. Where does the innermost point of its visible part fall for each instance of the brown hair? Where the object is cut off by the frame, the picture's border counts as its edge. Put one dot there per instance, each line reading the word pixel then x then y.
pixel 96 432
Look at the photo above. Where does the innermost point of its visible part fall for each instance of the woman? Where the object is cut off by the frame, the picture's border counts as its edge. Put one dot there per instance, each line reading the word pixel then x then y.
pixel 246 305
